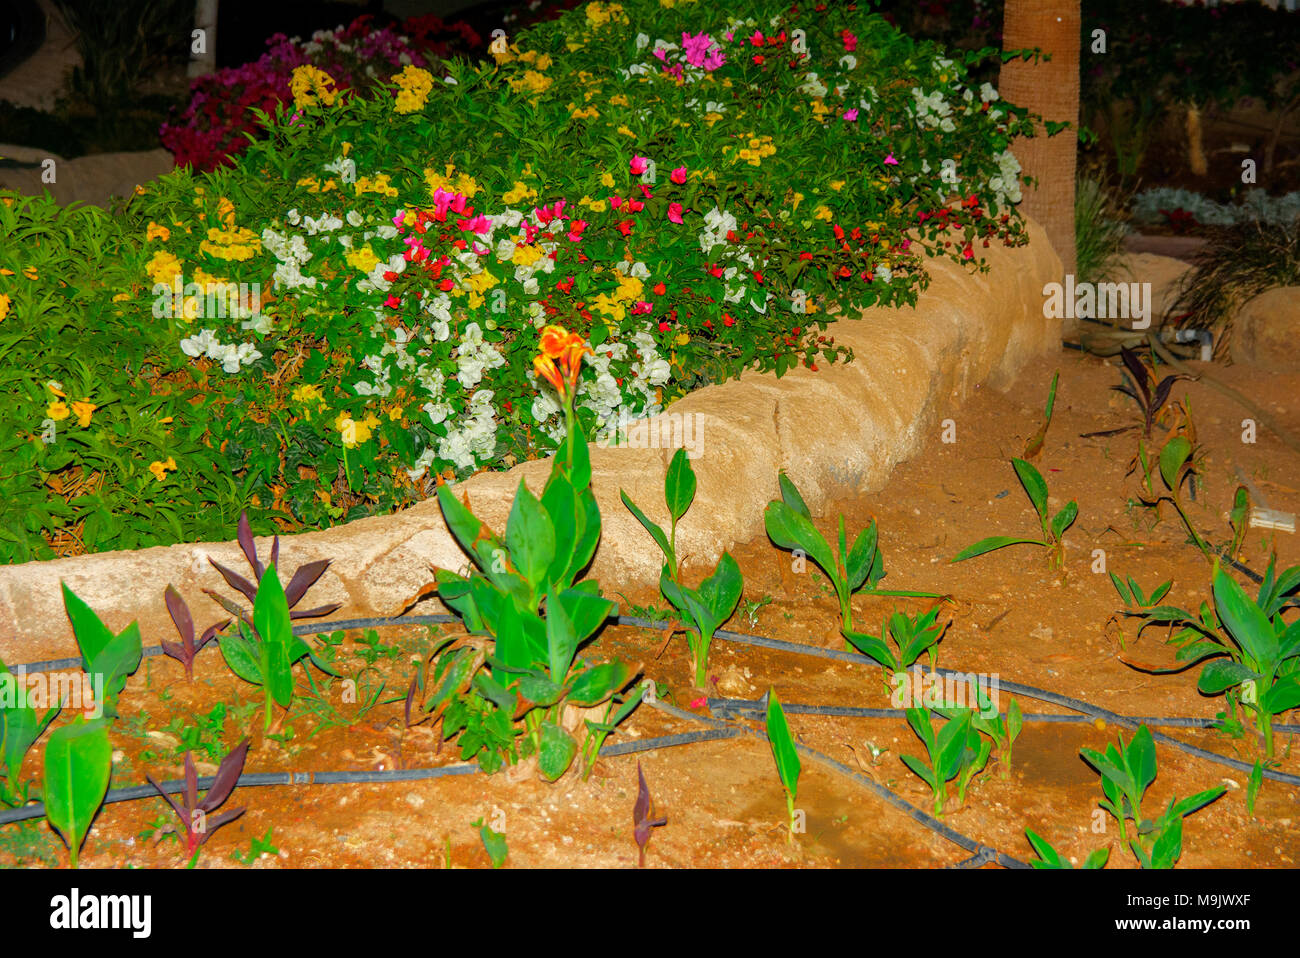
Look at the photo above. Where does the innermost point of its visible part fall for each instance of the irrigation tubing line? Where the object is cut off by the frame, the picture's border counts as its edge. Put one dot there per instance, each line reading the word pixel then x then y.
pixel 980 851
pixel 747 706
pixel 363 777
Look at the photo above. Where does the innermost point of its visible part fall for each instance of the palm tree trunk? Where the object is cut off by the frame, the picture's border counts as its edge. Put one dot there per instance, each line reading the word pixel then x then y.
pixel 1049 88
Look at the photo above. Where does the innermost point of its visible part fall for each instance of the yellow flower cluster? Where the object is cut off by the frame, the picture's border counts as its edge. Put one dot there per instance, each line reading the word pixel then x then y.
pixel 159 469
pixel 232 244
pixel 352 432
pixel 755 150
pixel 58 410
pixel 163 268
pixel 4 305
pixel 531 82
pixel 379 183
pixel 614 306
pixel 309 83
pixel 363 259
pixel 306 394
pixel 314 185
pixel 600 14
pixel 477 285
pixel 158 232
pixel 415 85
pixel 518 194
pixel 589 113
pixel 464 184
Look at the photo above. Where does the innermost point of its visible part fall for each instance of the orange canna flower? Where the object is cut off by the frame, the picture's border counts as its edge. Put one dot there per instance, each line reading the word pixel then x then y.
pixel 558 344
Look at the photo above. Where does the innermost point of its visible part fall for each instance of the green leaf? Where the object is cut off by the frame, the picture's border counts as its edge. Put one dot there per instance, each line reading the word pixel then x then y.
pixel 1034 485
pixel 1222 674
pixel 494 843
pixel 1048 857
pixel 791 497
pixel 782 742
pixel 721 591
pixel 530 537
pixel 1064 519
pixel 78 764
pixel 562 643
pixel 555 754
pixel 790 529
pixel 1282 696
pixel 91 633
pixel 860 557
pixel 992 544
pixel 679 485
pixel 1172 458
pixel 875 647
pixel 1245 621
pixel 241 655
pixel 656 533
pixel 598 683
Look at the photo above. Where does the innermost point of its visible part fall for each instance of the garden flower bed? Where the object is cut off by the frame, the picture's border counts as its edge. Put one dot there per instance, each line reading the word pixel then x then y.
pixel 344 318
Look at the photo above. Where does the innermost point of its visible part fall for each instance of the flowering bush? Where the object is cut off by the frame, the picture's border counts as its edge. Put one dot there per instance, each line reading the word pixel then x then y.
pixel 350 312
pixel 226 107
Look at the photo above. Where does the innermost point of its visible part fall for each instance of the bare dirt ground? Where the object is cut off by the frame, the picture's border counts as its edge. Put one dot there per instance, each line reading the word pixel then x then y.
pixel 1011 614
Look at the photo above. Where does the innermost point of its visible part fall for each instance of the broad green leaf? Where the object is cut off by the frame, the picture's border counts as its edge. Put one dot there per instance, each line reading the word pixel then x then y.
pixel 1172 458
pixel 91 633
pixel 1282 696
pixel 555 754
pixel 241 655
pixel 791 497
pixel 598 683
pixel 789 529
pixel 1223 674
pixel 1034 485
pixel 679 485
pixel 1064 519
pixel 271 610
pixel 873 646
pixel 721 591
pixel 1140 757
pixel 782 742
pixel 530 537
pixel 858 563
pixel 1245 621
pixel 78 764
pixel 562 643
pixel 656 533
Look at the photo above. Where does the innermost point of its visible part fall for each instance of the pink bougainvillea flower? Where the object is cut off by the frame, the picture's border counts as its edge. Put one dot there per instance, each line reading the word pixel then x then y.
pixel 678 175
pixel 638 165
pixel 850 41
pixel 476 224
pixel 674 212
pixel 615 202
pixel 699 703
pixel 635 206
pixel 664 327
pixel 851 115
pixel 392 302
pixel 890 161
pixel 645 191
pixel 661 53
pixel 625 227
pixel 701 51
pixel 757 38
pixel 575 230
pixel 400 218
pixel 641 306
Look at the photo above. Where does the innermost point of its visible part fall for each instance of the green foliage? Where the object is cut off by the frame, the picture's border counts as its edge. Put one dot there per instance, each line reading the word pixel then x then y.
pixel 785 753
pixel 911 635
pixel 19 729
pixel 1253 653
pixel 789 525
pixel 703 609
pixel 107 658
pixel 1053 529
pixel 494 843
pixel 957 751
pixel 1127 772
pixel 78 764
pixel 264 651
pixel 332 391
pixel 1050 858
pixel 1098 233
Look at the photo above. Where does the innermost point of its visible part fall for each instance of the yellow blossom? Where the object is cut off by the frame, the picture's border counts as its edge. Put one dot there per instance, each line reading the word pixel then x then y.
pixel 57 410
pixel 4 305
pixel 823 213
pixel 163 268
pixel 518 194
pixel 531 82
pixel 121 297
pixel 363 259
pixel 157 232
pixel 83 410
pixel 307 83
pixel 837 185
pixel 159 469
pixel 415 85
pixel 379 183
pixel 30 272
pixel 352 432
pixel 526 256
pixel 606 179
pixel 463 183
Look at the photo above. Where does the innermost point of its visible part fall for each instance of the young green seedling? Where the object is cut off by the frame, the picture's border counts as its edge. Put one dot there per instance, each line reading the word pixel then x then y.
pixel 264 654
pixel 107 658
pixel 911 634
pixel 1050 858
pixel 785 753
pixel 1002 731
pixel 78 765
pixel 1175 467
pixel 703 610
pixel 1053 528
pixel 1253 652
pixel 192 812
pixel 494 843
pixel 19 730
pixel 946 751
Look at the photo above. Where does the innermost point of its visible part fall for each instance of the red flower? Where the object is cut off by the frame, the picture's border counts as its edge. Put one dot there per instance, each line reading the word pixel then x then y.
pixel 659 289
pixel 625 227
pixel 728 320
pixel 758 58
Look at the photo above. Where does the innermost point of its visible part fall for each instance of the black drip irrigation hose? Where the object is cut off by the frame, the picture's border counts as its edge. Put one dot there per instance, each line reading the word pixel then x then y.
pixel 361 777
pixel 982 853
pixel 724 707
